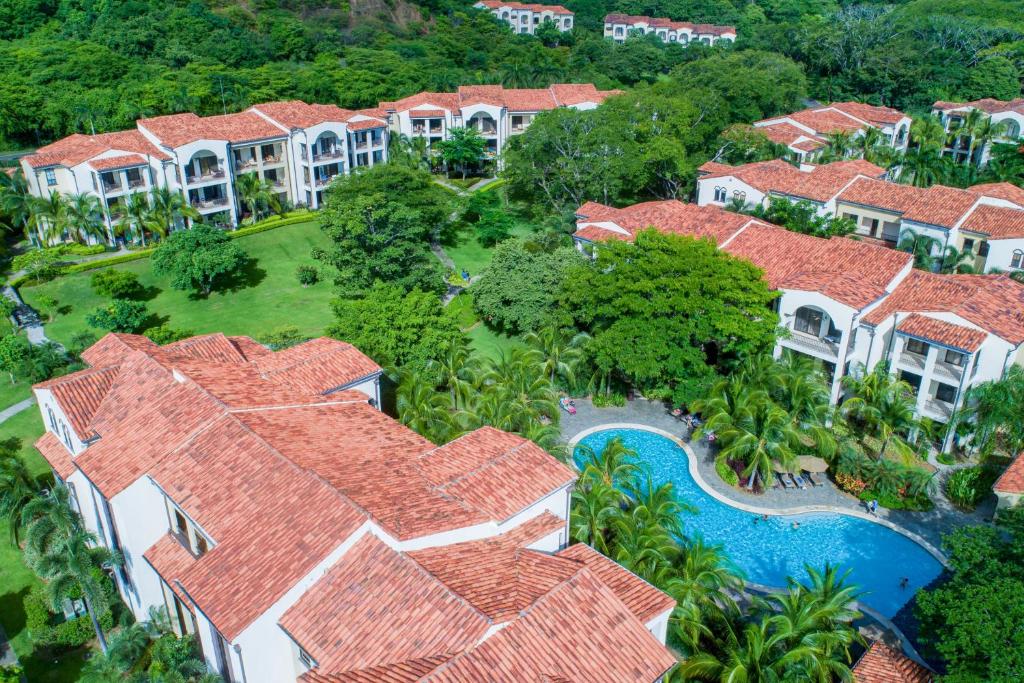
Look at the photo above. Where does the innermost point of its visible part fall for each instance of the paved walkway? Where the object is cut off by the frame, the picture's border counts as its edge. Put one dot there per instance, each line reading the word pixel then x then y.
pixel 11 411
pixel 929 525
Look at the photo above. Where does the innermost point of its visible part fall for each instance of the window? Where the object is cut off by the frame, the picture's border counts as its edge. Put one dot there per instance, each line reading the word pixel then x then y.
pixel 187 533
pixel 1011 130
pixel 945 393
pixel 53 418
pixel 51 177
pixel 720 194
pixel 968 247
pixel 523 19
pixel 1018 256
pixel 954 358
pixel 852 217
pixel 917 346
pixel 983 248
pixel 306 660
pixel 808 321
pixel 618 31
pixel 739 196
pixel 180 523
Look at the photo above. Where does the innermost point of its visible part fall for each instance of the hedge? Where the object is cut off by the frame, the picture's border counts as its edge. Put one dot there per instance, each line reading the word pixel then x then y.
pixel 71 633
pixel 262 226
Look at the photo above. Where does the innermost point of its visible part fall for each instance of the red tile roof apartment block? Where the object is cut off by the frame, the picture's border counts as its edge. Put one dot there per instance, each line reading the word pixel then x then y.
pixel 528 17
pixel 882 664
pixel 806 132
pixel 618 27
pixel 1009 487
pixel 847 302
pixel 1007 118
pixel 301 534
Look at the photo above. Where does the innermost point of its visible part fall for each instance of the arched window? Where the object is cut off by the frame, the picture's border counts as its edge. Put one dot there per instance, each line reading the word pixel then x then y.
pixel 1018 258
pixel 720 194
pixel 741 196
pixel 53 418
pixel 1011 130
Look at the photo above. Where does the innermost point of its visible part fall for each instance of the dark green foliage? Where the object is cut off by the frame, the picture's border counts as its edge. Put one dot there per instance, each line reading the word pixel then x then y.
pixel 121 315
pixel 307 275
pixel 48 629
pixel 969 486
pixel 803 217
pixel 395 327
pixel 493 227
pixel 198 259
pixel 117 284
pixel 282 338
pixel 165 334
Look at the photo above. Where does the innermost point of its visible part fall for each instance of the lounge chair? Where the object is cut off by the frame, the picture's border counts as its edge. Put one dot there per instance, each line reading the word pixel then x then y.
pixel 786 481
pixel 799 481
pixel 814 478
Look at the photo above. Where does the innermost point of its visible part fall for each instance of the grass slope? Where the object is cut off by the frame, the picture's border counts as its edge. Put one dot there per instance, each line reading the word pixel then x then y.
pixel 468 253
pixel 267 297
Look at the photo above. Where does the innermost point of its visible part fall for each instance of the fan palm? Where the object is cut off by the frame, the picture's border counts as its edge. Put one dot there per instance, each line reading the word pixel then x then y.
pixel 84 217
pixel 561 353
pixel 17 489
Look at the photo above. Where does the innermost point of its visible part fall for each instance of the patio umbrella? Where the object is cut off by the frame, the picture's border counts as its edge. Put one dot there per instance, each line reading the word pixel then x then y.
pixel 779 467
pixel 812 463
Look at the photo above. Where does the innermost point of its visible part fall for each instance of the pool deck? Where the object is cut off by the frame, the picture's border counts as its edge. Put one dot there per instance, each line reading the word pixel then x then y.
pixel 922 526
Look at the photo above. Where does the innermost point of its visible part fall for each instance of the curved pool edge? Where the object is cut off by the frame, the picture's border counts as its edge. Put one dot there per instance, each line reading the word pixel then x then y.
pixel 776 512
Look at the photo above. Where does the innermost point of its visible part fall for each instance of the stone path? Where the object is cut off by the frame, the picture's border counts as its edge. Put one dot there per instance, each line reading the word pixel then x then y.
pixel 29 319
pixel 928 525
pixel 11 411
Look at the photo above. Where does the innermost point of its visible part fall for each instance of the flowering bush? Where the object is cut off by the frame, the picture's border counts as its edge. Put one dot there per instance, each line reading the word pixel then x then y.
pixel 850 483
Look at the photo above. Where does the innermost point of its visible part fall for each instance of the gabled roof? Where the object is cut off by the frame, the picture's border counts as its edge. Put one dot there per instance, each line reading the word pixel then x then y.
pixel 114 347
pixel 846 117
pixel 175 130
pixel 987 105
pixel 408 671
pixel 513 99
pixel 949 334
pixel 1012 479
pixel 998 222
pixel 662 22
pixel 940 205
pixel 1006 191
pixel 56 454
pixel 317 366
pixel 80 393
pixel 882 664
pixel 377 606
pixel 869 112
pixel 298 114
pixel 77 148
pixel 117 162
pixel 578 632
pixel 994 303
pixel 671 215
pixel 820 183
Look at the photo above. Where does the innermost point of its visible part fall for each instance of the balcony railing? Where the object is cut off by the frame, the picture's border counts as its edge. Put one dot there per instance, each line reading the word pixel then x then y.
pixel 112 187
pixel 949 371
pixel 245 163
pixel 209 175
pixel 135 184
pixel 209 203
pixel 320 182
pixel 362 145
pixel 915 361
pixel 272 159
pixel 419 130
pixel 939 409
pixel 808 343
pixel 328 155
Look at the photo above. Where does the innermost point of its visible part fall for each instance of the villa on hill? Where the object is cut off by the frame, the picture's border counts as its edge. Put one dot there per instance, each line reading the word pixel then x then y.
pixel 618 27
pixel 1006 121
pixel 301 534
pixel 853 304
pixel 527 17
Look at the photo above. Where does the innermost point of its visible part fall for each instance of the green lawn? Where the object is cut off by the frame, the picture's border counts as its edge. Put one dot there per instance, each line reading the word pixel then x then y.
pixel 489 343
pixel 468 253
pixel 267 297
pixel 16 579
pixel 12 393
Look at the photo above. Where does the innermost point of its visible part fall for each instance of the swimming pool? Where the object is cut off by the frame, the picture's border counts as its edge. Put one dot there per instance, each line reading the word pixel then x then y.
pixel 768 552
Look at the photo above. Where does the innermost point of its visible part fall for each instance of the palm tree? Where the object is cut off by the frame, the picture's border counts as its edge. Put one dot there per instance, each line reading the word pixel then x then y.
pixel 840 144
pixel 594 507
pixel 169 207
pixel 928 132
pixel 922 166
pixel 136 214
pixel 645 549
pixel 955 261
pixel 84 216
pixel 658 506
pixel 47 519
pixel 802 391
pixel 16 201
pixel 124 650
pixel 258 195
pixel 561 353
pixel 884 405
pixel 49 216
pixel 69 565
pixel 514 377
pixel 411 152
pixel 17 489
pixel 921 246
pixel 869 142
pixel 753 655
pixel 615 466
pixel 455 370
pixel 421 408
pixel 703 586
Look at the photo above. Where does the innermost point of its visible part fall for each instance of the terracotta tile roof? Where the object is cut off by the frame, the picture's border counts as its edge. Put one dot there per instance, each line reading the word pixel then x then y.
pixel 267 519
pixel 113 347
pixel 171 560
pixel 785 133
pixel 298 114
pixel 1007 191
pixel 643 600
pixel 824 121
pixel 1012 479
pixel 175 130
pixel 881 194
pixel 377 606
pixel 317 366
pixel 940 205
pixel 571 94
pixel 249 348
pixel 535 99
pixel 370 458
pixel 116 162
pixel 530 99
pixel 399 672
pixel 950 334
pixel 365 123
pixel 499 576
pixel 496 4
pixel 578 632
pixel 80 393
pixel 448 101
pixel 427 113
pixel 662 22
pixel 988 105
pixel 869 112
pixel 882 664
pixel 807 145
pixel 992 302
pixel 494 471
pixel 998 222
pixel 211 347
pixel 56 454
pixel 820 183
pixel 76 149
pixel 481 94
pixel 670 216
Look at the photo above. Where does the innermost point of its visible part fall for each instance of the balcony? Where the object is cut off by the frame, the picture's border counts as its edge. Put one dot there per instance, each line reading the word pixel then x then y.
pixel 136 183
pixel 207 204
pixel 816 346
pixel 110 188
pixel 362 145
pixel 937 410
pixel 329 155
pixel 210 174
pixel 321 182
pixel 948 371
pixel 912 361
pixel 271 159
pixel 419 130
pixel 242 165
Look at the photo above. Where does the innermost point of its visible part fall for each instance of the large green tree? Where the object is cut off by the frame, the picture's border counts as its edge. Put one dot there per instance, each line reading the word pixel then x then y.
pixel 665 312
pixel 198 259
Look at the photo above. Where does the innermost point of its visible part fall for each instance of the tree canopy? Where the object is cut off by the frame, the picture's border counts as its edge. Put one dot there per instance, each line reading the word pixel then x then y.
pixel 198 259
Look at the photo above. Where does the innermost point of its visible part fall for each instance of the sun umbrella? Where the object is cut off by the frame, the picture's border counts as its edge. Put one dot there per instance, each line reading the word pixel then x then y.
pixel 779 467
pixel 812 463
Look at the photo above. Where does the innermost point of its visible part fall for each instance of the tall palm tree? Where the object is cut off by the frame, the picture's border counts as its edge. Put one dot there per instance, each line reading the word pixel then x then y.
pixel 17 489
pixel 455 369
pixel 840 144
pixel 594 507
pixel 658 505
pixel 124 650
pixel 615 466
pixel 256 194
pixel 422 409
pixel 69 566
pixel 515 377
pixel 49 216
pixel 884 405
pixel 928 132
pixel 922 246
pixel 16 201
pixel 84 217
pixel 47 519
pixel 560 352
pixel 868 143
pixel 703 585
pixel 922 166
pixel 409 151
pixel 645 549
pixel 955 261
pixel 168 208
pixel 753 655
pixel 136 214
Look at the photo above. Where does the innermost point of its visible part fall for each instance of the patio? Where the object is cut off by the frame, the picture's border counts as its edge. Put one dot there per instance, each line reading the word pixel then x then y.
pixel 929 525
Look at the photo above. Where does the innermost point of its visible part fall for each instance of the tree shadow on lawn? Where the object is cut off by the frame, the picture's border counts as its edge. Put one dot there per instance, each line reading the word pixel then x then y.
pixel 146 293
pixel 249 275
pixel 12 609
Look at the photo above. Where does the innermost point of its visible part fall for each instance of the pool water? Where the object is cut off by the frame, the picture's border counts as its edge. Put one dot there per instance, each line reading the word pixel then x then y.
pixel 767 552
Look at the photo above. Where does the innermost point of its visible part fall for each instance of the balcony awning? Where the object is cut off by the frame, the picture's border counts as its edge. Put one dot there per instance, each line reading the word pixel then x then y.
pixel 120 161
pixel 959 337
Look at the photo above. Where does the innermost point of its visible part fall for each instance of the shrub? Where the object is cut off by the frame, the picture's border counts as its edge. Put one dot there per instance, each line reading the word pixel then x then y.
pixel 47 306
pixel 850 483
pixel 165 334
pixel 307 275
pixel 11 674
pixel 283 338
pixel 612 400
pixel 46 630
pixel 120 316
pixel 494 226
pixel 84 249
pixel 969 486
pixel 726 472
pixel 946 458
pixel 117 284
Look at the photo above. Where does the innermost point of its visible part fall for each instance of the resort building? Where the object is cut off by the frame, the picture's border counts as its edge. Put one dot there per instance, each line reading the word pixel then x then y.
pixel 883 664
pixel 1006 120
pixel 805 133
pixel 1009 487
pixel 985 222
pixel 618 27
pixel 497 113
pixel 300 534
pixel 527 18
pixel 294 146
pixel 853 304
